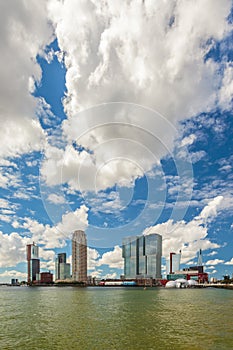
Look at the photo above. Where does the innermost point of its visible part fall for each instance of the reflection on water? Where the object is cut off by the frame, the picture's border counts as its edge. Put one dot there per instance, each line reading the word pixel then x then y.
pixel 115 318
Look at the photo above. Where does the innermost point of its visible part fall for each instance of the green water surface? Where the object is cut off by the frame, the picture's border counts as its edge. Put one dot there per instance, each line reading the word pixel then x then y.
pixel 115 318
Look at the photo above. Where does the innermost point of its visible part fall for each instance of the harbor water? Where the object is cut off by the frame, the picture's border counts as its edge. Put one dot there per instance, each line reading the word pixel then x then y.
pixel 52 318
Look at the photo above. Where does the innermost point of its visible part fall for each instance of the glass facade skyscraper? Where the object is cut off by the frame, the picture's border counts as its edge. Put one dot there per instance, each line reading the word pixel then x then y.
pixel 62 268
pixel 142 256
pixel 129 253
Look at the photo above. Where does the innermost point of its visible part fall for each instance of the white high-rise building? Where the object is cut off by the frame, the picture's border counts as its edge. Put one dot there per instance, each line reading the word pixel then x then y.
pixel 79 256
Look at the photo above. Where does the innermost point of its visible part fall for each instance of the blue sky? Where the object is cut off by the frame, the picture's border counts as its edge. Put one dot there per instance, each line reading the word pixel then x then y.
pixel 116 120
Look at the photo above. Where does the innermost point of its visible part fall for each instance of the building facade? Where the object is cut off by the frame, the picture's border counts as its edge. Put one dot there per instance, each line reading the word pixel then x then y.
pixel 189 274
pixel 173 263
pixel 79 256
pixel 142 256
pixel 62 268
pixel 33 263
pixel 46 278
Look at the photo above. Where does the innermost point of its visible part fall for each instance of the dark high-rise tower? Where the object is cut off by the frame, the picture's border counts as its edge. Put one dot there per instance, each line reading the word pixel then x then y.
pixel 33 263
pixel 62 268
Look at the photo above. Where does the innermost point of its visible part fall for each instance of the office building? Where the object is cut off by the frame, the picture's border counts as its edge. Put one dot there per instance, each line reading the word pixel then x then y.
pixel 62 268
pixel 33 262
pixel 79 256
pixel 129 253
pixel 46 277
pixel 173 263
pixel 15 282
pixel 142 256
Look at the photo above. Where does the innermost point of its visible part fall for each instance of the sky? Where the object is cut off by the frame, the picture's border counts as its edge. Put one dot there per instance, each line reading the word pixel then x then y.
pixel 116 118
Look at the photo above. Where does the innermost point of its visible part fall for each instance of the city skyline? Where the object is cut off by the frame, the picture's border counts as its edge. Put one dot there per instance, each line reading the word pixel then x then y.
pixel 142 261
pixel 116 121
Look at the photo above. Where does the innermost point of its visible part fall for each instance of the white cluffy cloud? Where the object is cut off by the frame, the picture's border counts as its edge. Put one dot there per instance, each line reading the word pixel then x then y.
pixel 214 262
pixel 188 140
pixel 142 52
pixel 13 246
pixel 92 256
pixel 25 31
pixel 12 249
pixel 152 54
pixel 229 262
pixel 55 236
pixel 226 91
pixel 56 199
pixel 188 236
pixel 112 258
pixel 7 274
pixel 210 210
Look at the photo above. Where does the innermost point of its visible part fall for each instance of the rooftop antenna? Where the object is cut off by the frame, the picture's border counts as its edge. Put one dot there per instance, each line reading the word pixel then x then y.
pixel 199 259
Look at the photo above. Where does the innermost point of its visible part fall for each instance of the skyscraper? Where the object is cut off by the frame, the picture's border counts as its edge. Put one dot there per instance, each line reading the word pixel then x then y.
pixel 33 263
pixel 173 263
pixel 62 268
pixel 79 256
pixel 142 256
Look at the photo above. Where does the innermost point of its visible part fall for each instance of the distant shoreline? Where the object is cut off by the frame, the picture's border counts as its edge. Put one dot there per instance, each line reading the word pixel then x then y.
pixel 200 286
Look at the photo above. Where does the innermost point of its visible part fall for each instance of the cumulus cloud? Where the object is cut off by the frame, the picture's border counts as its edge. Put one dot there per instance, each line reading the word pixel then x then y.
pixel 214 262
pixel 8 274
pixel 229 262
pixel 110 275
pixel 24 33
pixel 13 246
pixel 12 249
pixel 112 258
pixel 92 256
pixel 104 148
pixel 114 53
pixel 56 199
pixel 55 236
pixel 4 203
pixel 188 140
pixel 210 210
pixel 142 53
pixel 47 265
pixel 96 273
pixel 226 91
pixel 188 236
pixel 212 253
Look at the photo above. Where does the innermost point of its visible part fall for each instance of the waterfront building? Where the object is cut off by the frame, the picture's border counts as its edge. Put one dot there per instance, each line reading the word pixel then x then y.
pixel 79 256
pixel 14 282
pixel 129 253
pixel 62 268
pixel 142 256
pixel 173 263
pixel 46 278
pixel 33 263
pixel 189 274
